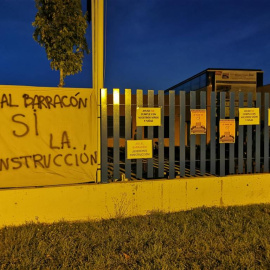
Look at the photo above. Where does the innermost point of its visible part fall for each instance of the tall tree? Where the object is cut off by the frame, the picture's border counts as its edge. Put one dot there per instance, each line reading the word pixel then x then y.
pixel 60 28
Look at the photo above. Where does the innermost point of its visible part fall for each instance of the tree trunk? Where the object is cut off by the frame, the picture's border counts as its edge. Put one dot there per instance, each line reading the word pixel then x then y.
pixel 61 83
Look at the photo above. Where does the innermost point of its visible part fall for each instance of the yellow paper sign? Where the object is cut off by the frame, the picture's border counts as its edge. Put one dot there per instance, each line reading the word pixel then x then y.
pixel 227 131
pixel 268 117
pixel 148 117
pixel 139 149
pixel 198 121
pixel 48 136
pixel 249 116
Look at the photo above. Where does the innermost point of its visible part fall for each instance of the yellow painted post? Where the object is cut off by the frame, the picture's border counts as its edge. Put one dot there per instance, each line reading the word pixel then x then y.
pixel 104 137
pixel 116 133
pixel 97 16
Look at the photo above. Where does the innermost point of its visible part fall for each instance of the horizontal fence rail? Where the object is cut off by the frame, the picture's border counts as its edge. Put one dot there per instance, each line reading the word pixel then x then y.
pixel 183 145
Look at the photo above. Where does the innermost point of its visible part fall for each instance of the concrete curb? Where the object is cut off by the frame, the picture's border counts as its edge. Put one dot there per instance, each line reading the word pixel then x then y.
pixel 124 199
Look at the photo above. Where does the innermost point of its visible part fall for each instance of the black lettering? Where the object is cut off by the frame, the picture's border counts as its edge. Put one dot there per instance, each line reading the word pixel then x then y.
pixel 25 159
pixel 27 100
pixel 73 102
pixel 51 141
pixel 37 160
pixel 49 102
pixel 65 140
pixel 41 101
pixel 36 124
pixel 16 160
pixel 64 104
pixel 4 164
pixel 44 161
pixel 65 159
pixel 57 100
pixel 54 160
pixel 26 97
pixel 4 100
pixel 10 102
pixel 81 158
pixel 22 123
pixel 83 103
pixel 35 101
pixel 47 164
pixel 94 158
pixel 76 159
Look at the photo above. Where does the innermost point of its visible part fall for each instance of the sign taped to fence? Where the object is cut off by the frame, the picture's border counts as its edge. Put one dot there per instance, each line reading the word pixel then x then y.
pixel 198 121
pixel 227 131
pixel 148 116
pixel 48 136
pixel 139 149
pixel 268 117
pixel 249 116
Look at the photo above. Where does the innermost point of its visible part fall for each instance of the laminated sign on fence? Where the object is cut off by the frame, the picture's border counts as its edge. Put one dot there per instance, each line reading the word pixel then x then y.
pixel 227 131
pixel 48 136
pixel 249 116
pixel 137 149
pixel 198 121
pixel 148 116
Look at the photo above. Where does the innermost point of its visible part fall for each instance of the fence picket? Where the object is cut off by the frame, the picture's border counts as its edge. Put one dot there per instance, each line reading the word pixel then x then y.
pixel 104 136
pixel 182 147
pixel 241 138
pixel 203 138
pixel 171 134
pixel 192 137
pixel 258 137
pixel 249 139
pixel 150 133
pixel 127 130
pixel 222 145
pixel 213 134
pixel 232 145
pixel 266 134
pixel 161 135
pixel 139 103
pixel 116 131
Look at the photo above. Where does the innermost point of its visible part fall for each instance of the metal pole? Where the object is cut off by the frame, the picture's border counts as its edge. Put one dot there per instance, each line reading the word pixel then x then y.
pixel 97 18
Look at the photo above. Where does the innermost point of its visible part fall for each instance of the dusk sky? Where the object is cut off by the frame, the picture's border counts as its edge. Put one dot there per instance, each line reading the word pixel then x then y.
pixel 150 44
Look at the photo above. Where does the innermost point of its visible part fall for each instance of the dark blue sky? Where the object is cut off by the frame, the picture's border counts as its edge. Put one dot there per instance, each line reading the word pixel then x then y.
pixel 150 44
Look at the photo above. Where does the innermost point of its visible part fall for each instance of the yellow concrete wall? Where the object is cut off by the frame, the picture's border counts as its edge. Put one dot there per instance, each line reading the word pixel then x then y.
pixel 123 199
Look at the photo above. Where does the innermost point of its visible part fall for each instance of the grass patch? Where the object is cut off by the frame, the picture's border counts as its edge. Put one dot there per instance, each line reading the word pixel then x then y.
pixel 205 238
